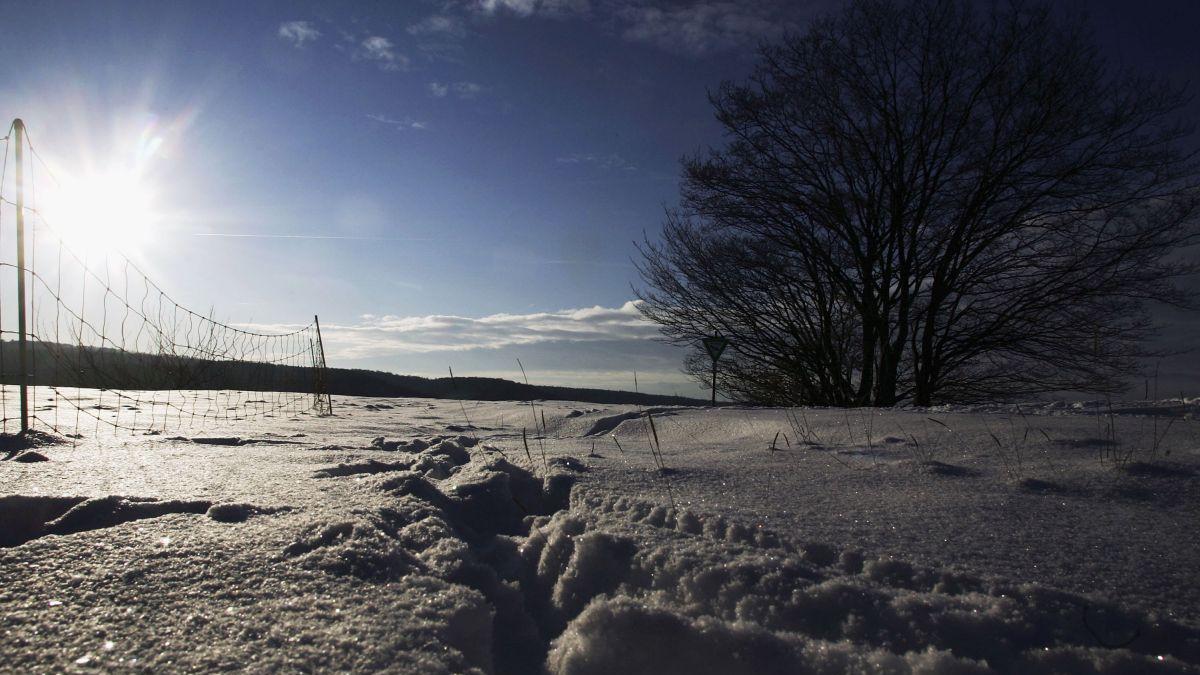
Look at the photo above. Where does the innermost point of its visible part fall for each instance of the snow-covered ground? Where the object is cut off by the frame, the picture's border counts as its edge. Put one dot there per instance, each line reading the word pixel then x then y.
pixel 396 537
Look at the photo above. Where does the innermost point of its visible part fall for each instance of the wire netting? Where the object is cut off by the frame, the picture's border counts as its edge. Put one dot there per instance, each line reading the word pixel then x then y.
pixel 107 348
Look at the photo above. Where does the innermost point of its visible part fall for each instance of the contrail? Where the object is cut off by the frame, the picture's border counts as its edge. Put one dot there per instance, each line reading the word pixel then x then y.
pixel 237 235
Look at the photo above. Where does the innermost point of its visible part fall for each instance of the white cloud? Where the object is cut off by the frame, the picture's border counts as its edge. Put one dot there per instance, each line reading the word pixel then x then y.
pixel 463 90
pixel 376 336
pixel 298 32
pixel 611 161
pixel 547 8
pixel 701 28
pixel 403 123
pixel 439 25
pixel 381 50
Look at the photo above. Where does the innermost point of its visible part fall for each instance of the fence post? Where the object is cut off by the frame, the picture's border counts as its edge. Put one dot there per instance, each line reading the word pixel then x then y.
pixel 322 390
pixel 22 362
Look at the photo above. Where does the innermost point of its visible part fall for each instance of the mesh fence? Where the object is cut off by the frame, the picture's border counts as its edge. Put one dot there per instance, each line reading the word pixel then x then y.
pixel 106 347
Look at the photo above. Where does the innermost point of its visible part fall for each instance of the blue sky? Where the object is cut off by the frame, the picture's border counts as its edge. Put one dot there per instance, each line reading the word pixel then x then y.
pixel 445 183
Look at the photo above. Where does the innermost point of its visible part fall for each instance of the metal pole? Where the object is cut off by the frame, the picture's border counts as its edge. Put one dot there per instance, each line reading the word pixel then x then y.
pixel 19 137
pixel 321 347
pixel 316 366
pixel 714 388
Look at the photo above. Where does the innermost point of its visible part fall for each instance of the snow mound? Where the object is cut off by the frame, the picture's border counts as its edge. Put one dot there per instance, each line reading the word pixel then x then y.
pixel 569 463
pixel 453 450
pixel 24 517
pixel 362 548
pixel 369 466
pixel 218 440
pixel 936 468
pixel 14 443
pixel 619 635
pixel 101 512
pixel 420 444
pixel 608 424
pixel 236 512
pixel 415 445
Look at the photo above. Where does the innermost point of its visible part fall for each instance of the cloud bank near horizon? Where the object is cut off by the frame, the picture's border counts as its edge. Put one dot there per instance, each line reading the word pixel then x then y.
pixel 582 347
pixel 375 335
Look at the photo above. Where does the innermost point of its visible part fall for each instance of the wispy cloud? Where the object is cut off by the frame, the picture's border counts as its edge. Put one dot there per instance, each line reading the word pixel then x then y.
pixel 298 32
pixel 609 162
pixel 701 28
pixel 440 25
pixel 381 50
pixel 463 90
pixel 688 28
pixel 401 123
pixel 439 36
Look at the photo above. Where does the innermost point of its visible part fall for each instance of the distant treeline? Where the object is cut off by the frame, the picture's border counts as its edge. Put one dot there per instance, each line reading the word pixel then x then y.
pixel 378 383
pixel 105 368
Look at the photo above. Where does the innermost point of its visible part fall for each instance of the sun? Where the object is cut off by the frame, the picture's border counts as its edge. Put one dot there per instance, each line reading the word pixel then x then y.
pixel 105 211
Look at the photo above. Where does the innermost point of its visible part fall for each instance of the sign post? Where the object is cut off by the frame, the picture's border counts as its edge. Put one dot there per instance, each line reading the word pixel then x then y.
pixel 715 346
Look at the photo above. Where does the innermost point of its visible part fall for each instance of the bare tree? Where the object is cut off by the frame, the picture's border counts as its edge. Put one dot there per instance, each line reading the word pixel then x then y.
pixel 922 201
pixel 794 334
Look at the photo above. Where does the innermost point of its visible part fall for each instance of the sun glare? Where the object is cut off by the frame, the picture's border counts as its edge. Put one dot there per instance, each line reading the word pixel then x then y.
pixel 105 211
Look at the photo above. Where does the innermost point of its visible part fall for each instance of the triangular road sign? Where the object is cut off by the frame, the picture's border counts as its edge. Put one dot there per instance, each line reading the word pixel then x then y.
pixel 715 346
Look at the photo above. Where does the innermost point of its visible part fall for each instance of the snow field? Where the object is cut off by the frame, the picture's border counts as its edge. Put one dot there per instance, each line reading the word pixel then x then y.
pixel 379 542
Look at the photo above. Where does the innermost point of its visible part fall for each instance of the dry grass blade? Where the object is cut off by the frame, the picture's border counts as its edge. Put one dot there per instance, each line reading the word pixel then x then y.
pixel 470 426
pixel 805 431
pixel 656 448
pixel 662 466
pixel 525 440
pixel 996 440
pixel 1159 439
pixel 614 437
pixel 915 450
pixel 940 423
pixel 533 409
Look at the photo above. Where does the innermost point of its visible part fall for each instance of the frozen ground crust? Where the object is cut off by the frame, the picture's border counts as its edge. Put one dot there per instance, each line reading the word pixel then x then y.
pixel 446 554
